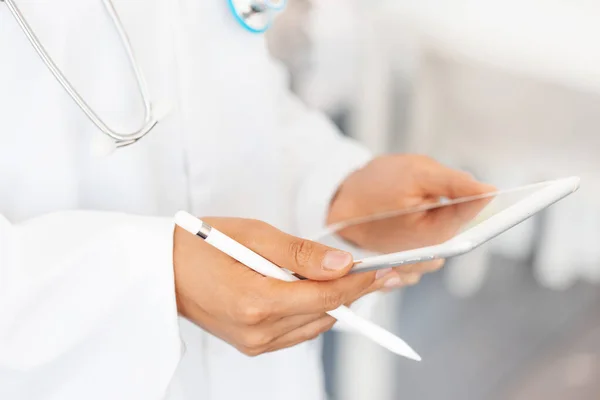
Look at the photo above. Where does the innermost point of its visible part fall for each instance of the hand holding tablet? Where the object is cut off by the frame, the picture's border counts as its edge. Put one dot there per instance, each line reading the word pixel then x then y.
pixel 445 229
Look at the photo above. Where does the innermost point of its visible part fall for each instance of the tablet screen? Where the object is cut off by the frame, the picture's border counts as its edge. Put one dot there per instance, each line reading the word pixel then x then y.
pixel 424 224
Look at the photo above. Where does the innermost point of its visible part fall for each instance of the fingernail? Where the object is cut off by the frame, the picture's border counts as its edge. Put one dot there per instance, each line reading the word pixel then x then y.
pixel 336 260
pixel 382 272
pixel 393 282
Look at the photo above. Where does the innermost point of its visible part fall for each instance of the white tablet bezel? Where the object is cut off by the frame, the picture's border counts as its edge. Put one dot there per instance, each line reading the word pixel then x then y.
pixel 479 234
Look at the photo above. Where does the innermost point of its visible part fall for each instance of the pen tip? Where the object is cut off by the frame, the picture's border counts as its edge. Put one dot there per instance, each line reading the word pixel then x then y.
pixel 385 338
pixel 401 348
pixel 409 353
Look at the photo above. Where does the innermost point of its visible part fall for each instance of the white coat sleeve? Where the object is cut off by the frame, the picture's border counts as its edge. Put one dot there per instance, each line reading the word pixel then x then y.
pixel 319 154
pixel 87 307
pixel 321 158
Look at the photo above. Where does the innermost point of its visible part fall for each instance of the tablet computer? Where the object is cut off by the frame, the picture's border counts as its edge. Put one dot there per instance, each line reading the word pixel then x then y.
pixel 449 228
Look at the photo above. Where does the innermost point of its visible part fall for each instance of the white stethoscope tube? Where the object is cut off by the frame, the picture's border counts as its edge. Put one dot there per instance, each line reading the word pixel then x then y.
pixel 254 15
pixel 120 139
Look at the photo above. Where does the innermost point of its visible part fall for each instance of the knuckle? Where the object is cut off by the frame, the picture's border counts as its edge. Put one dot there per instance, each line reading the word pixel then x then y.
pixel 251 312
pixel 420 158
pixel 256 223
pixel 369 279
pixel 363 282
pixel 301 251
pixel 426 162
pixel 331 299
pixel 254 231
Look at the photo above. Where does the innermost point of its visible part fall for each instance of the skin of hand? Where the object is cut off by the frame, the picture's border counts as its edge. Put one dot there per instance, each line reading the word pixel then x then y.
pixel 398 182
pixel 258 314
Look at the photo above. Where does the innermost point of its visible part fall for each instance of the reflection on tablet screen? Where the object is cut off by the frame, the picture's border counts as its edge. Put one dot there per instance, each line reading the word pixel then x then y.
pixel 427 224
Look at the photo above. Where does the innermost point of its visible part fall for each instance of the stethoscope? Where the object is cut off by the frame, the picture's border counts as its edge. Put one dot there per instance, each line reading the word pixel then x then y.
pixel 254 15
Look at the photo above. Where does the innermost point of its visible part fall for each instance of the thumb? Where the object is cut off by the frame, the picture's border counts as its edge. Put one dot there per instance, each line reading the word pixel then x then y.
pixel 309 259
pixel 315 261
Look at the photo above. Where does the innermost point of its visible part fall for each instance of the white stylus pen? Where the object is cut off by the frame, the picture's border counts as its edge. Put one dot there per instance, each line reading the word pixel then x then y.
pixel 264 267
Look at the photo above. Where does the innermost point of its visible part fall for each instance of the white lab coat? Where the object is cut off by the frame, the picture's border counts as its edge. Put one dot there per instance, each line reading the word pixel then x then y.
pixel 87 306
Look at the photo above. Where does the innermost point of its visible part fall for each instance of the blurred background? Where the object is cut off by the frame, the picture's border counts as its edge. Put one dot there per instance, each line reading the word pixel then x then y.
pixel 509 90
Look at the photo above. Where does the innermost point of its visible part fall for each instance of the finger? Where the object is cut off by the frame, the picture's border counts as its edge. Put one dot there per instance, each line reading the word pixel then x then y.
pixel 214 326
pixel 309 259
pixel 255 339
pixel 287 324
pixel 204 263
pixel 421 268
pixel 406 275
pixel 252 340
pixel 250 299
pixel 406 280
pixel 410 279
pixel 410 275
pixel 303 334
pixel 312 297
pixel 450 219
pixel 383 277
pixel 438 180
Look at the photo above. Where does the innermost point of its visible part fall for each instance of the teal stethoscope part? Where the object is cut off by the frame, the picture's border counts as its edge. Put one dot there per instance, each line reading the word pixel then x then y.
pixel 255 16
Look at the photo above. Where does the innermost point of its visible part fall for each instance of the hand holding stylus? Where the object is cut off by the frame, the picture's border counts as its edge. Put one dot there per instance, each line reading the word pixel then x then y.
pixel 228 289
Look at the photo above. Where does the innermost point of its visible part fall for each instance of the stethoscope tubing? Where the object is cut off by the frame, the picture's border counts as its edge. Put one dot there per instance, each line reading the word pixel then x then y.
pixel 125 139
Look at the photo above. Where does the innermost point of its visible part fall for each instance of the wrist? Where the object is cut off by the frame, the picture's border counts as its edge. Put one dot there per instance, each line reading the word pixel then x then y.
pixel 340 206
pixel 344 207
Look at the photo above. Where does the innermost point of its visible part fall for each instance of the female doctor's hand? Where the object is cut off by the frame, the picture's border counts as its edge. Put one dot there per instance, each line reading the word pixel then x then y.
pixel 257 314
pixel 399 182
